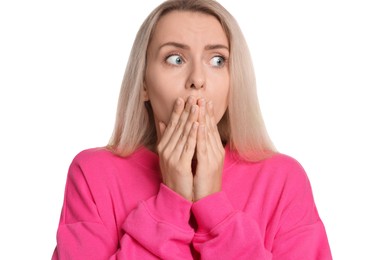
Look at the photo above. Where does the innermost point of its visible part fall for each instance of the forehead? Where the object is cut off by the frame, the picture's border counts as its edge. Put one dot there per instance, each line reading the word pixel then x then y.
pixel 189 27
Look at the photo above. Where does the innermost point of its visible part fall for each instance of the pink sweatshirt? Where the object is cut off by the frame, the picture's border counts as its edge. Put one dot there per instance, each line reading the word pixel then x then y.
pixel 117 208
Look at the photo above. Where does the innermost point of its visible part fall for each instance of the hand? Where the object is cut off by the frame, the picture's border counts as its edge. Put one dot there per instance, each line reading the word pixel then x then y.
pixel 177 146
pixel 210 154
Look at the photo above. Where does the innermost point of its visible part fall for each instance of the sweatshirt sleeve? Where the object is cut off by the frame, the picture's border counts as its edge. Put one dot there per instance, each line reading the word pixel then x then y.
pixel 226 233
pixel 301 233
pixel 161 225
pixel 156 228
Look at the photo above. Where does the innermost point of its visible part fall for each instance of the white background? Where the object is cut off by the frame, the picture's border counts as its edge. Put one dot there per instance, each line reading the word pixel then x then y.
pixel 319 68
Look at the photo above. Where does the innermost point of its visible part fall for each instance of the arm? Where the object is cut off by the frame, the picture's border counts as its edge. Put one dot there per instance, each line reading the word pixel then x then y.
pixel 226 233
pixel 301 233
pixel 223 233
pixel 149 232
pixel 160 225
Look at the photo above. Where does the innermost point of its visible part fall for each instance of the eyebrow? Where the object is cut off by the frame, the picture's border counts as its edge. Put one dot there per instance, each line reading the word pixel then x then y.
pixel 186 47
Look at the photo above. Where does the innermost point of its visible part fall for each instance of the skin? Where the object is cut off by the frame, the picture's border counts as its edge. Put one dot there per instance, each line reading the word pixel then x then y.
pixel 187 84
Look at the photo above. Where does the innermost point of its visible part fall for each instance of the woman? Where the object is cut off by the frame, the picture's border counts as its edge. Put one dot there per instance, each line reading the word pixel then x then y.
pixel 190 171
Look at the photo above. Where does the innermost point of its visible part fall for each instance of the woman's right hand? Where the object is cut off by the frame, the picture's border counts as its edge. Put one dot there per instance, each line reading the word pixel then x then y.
pixel 176 147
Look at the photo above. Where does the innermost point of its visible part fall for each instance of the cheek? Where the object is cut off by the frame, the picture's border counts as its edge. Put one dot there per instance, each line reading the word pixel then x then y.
pixel 220 102
pixel 162 99
pixel 219 111
pixel 161 110
pixel 219 92
pixel 160 94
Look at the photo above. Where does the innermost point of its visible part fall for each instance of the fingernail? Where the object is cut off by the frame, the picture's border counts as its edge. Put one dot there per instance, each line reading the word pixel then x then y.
pixel 178 102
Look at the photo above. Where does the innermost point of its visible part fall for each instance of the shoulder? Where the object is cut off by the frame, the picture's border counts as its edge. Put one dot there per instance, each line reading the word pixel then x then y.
pixel 284 169
pixel 289 174
pixel 103 161
pixel 277 168
pixel 95 160
pixel 94 168
pixel 93 157
pixel 283 162
pixel 93 154
pixel 287 166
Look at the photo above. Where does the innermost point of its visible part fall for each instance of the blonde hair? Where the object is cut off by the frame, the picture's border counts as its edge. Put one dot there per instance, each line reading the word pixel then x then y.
pixel 241 127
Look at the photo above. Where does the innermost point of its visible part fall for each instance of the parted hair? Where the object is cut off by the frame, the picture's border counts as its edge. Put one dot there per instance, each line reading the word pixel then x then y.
pixel 241 127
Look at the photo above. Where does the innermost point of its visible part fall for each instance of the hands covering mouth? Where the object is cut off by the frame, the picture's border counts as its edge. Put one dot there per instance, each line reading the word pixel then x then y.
pixel 191 132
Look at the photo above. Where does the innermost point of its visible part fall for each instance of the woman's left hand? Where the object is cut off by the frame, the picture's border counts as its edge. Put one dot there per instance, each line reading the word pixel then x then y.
pixel 210 153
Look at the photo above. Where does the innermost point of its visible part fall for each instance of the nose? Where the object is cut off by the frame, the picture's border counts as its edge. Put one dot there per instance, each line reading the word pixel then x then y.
pixel 196 77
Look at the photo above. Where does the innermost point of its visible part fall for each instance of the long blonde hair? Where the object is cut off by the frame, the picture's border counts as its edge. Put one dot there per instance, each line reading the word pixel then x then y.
pixel 242 126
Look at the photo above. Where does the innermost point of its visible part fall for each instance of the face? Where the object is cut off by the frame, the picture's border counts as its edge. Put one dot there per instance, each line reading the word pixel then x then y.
pixel 187 56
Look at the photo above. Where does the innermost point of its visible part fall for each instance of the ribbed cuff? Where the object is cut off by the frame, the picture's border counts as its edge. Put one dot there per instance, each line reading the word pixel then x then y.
pixel 170 207
pixel 211 211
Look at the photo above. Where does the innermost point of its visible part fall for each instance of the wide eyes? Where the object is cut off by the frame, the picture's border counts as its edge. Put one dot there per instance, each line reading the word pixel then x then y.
pixel 175 59
pixel 217 61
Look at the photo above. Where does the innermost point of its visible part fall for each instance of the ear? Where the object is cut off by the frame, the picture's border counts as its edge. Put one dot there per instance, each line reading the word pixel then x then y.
pixel 144 93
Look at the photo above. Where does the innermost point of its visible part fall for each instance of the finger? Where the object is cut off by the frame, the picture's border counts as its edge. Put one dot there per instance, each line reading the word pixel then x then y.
pixel 180 132
pixel 201 142
pixel 190 145
pixel 161 127
pixel 202 111
pixel 174 118
pixel 207 139
pixel 186 133
pixel 212 123
pixel 190 102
